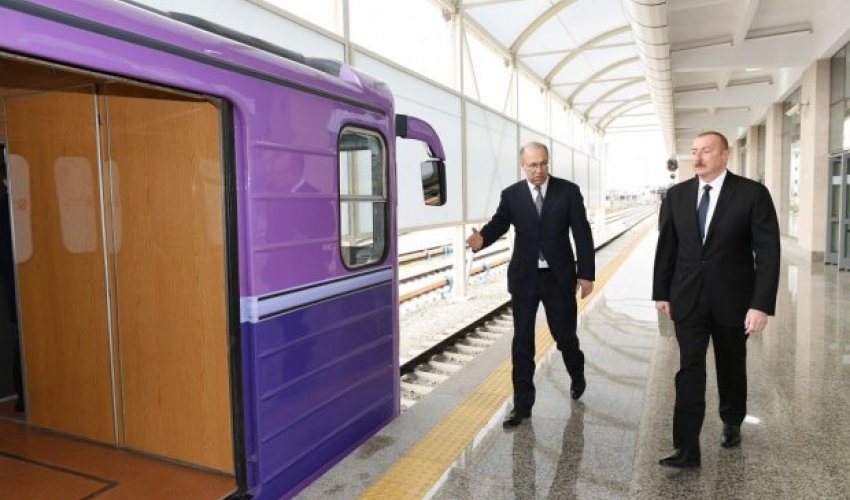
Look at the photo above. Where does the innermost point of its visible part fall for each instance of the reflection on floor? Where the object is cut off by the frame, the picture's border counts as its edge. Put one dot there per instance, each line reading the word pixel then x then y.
pixel 796 439
pixel 42 465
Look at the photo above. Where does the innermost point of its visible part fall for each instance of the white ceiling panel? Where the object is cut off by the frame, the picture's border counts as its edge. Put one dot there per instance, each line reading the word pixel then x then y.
pixel 586 19
pixel 550 36
pixel 602 57
pixel 505 21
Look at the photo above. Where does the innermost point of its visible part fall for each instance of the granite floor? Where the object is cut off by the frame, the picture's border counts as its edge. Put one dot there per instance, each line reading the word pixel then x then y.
pixel 796 438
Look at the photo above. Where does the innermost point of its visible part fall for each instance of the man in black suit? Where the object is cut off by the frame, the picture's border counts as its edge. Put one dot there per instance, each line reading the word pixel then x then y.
pixel 543 210
pixel 716 275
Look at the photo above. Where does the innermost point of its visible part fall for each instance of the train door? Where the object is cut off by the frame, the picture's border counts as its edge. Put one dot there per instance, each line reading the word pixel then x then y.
pixel 60 267
pixel 118 224
pixel 167 225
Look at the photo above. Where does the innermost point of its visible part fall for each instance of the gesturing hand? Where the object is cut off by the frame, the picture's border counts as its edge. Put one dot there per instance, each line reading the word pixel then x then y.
pixel 475 241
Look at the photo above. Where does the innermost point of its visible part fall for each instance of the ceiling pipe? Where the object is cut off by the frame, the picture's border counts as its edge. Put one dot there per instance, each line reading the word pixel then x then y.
pixel 648 20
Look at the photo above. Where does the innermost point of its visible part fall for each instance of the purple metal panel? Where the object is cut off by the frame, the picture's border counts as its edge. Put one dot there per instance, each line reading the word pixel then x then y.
pixel 287 229
pixel 324 382
pixel 415 128
pixel 265 112
pixel 124 17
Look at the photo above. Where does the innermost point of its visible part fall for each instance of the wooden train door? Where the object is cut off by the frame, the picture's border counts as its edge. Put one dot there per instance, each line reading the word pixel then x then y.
pixel 166 189
pixel 60 261
pixel 119 239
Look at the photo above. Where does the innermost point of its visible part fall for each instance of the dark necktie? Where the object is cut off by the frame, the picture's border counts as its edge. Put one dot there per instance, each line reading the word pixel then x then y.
pixel 702 210
pixel 538 203
pixel 538 200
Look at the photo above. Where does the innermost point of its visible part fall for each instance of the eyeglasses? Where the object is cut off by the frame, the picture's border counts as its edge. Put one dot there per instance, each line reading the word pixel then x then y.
pixel 543 165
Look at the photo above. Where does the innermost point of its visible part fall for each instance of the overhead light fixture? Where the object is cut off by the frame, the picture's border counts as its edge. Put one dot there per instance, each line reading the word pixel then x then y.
pixel 750 70
pixel 790 29
pixel 764 80
pixel 690 89
pixel 723 41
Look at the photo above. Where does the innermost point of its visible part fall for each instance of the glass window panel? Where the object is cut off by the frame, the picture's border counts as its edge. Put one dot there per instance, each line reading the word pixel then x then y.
pixel 836 201
pixel 836 126
pixel 412 33
pixel 833 237
pixel 324 13
pixel 846 203
pixel 846 251
pixel 361 170
pixel 487 77
pixel 364 232
pixel 492 160
pixel 532 104
pixel 363 200
pixel 581 174
pixel 791 163
pixel 593 198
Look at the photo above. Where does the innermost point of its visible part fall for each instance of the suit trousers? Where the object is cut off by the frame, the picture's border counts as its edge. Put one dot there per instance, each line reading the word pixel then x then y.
pixel 561 317
pixel 730 354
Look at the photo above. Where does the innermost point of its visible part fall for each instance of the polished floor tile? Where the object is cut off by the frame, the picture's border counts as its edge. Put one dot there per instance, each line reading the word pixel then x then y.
pixel 796 439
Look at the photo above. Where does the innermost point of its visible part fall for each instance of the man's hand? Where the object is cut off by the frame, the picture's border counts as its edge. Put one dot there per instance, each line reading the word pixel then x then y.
pixel 475 241
pixel 755 321
pixel 585 286
pixel 663 307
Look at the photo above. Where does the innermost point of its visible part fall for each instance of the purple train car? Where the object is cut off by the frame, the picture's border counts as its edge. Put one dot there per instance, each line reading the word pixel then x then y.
pixel 204 241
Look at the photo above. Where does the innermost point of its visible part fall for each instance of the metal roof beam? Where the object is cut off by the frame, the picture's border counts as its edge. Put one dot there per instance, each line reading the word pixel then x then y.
pixel 537 23
pixel 583 47
pixel 599 73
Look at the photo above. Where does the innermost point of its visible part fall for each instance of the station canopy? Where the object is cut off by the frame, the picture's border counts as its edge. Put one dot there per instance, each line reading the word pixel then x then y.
pixel 678 66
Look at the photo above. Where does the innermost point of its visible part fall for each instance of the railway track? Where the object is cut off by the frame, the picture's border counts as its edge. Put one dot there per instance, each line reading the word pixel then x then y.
pixel 449 352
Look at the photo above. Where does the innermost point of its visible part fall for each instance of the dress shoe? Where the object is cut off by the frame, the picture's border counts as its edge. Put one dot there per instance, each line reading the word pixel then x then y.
pixel 515 418
pixel 681 459
pixel 578 386
pixel 731 436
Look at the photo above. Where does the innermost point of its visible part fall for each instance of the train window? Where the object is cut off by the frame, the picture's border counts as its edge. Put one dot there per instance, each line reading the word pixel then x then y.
pixel 362 197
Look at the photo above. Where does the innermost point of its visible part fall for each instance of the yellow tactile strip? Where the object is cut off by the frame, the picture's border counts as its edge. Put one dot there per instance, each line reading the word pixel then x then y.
pixel 415 473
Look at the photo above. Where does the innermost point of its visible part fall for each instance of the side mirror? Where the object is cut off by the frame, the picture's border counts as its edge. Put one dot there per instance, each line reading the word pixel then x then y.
pixel 434 169
pixel 434 182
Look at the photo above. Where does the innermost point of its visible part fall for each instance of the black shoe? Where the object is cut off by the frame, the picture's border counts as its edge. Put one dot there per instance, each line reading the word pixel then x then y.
pixel 515 418
pixel 578 386
pixel 681 459
pixel 731 435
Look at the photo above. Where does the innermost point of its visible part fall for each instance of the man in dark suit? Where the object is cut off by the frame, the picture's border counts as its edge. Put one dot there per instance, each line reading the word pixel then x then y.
pixel 543 210
pixel 716 275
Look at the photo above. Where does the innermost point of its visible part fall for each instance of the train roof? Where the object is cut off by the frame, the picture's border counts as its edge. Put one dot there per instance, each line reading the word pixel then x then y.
pixel 205 41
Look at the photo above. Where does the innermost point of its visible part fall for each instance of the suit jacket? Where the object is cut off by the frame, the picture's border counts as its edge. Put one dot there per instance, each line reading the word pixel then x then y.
pixel 738 266
pixel 563 211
